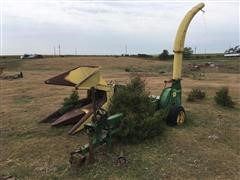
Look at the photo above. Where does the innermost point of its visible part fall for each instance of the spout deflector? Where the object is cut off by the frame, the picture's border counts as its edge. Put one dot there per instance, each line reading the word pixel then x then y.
pixel 180 39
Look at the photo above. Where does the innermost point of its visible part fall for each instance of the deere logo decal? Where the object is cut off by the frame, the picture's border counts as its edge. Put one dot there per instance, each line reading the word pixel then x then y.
pixel 174 94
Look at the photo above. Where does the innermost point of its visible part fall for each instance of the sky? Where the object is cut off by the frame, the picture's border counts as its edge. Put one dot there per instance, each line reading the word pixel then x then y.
pixel 105 27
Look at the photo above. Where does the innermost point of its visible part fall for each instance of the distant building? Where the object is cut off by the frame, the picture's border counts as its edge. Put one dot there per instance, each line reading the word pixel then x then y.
pixel 31 56
pixel 232 52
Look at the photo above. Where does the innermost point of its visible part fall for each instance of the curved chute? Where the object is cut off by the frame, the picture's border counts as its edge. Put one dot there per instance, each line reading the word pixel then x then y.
pixel 180 39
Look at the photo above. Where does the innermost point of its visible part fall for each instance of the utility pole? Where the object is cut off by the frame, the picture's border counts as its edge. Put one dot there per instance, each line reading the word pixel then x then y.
pixel 54 51
pixel 59 50
pixel 126 49
pixel 75 51
pixel 195 50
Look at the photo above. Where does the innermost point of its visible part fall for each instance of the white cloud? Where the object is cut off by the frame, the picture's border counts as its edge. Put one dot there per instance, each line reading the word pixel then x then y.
pixel 145 26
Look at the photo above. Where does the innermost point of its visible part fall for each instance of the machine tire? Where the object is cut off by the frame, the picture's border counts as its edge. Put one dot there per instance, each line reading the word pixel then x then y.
pixel 176 116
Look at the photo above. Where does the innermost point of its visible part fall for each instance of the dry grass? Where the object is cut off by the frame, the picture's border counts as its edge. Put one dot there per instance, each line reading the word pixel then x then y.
pixel 206 147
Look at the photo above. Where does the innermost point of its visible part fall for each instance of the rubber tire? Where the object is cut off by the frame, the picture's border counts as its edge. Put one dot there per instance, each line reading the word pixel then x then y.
pixel 173 114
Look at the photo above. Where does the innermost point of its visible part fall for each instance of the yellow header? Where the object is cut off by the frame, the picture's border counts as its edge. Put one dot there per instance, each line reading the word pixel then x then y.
pixel 82 77
pixel 86 77
pixel 180 39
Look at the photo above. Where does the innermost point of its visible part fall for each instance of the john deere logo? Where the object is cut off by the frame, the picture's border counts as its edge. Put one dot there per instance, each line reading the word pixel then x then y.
pixel 174 94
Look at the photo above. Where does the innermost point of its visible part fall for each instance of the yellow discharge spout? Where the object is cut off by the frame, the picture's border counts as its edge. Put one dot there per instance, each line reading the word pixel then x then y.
pixel 180 38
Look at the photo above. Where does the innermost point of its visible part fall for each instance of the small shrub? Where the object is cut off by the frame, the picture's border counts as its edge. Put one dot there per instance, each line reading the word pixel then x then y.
pixel 132 69
pixel 140 120
pixel 198 75
pixel 222 98
pixel 127 69
pixel 70 102
pixel 196 94
pixel 153 125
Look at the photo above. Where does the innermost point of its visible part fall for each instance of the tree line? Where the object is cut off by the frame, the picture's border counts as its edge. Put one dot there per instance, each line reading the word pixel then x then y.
pixel 165 55
pixel 187 53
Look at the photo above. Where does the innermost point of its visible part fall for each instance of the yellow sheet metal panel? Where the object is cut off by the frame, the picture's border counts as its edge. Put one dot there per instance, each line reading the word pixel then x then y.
pixel 86 77
pixel 92 81
pixel 78 75
pixel 102 81
pixel 180 39
pixel 103 88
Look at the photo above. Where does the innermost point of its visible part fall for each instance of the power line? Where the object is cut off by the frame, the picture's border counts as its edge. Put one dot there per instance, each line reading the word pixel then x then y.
pixel 54 51
pixel 59 50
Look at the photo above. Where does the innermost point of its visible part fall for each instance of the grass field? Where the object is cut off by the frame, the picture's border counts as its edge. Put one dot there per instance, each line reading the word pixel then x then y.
pixel 206 147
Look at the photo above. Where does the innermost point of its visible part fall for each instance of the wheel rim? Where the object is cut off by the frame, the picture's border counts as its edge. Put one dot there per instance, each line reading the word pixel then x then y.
pixel 180 118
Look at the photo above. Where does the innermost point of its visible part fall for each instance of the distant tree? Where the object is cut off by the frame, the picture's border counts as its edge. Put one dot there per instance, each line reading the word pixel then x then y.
pixel 187 53
pixel 164 54
pixel 144 55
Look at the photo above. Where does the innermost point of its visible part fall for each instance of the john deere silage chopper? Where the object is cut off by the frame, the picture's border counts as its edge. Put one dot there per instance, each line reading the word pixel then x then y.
pixel 92 115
